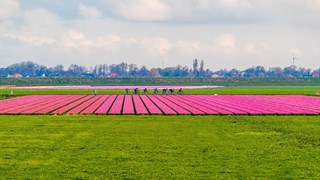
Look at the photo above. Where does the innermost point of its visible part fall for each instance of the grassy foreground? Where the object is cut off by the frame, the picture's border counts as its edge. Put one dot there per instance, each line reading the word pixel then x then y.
pixel 167 147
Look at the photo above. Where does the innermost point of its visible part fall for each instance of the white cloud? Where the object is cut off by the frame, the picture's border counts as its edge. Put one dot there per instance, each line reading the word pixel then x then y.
pixel 89 11
pixel 8 8
pixel 107 40
pixel 34 40
pixel 188 29
pixel 78 40
pixel 251 49
pixel 315 50
pixel 142 10
pixel 235 3
pixel 213 11
pixel 227 44
pixel 265 46
pixel 188 47
pixel 75 39
pixel 256 49
pixel 41 22
pixel 314 4
pixel 295 52
pixel 156 45
pixel 226 40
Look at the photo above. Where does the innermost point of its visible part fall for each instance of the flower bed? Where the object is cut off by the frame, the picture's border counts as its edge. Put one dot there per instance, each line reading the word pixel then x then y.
pixel 162 104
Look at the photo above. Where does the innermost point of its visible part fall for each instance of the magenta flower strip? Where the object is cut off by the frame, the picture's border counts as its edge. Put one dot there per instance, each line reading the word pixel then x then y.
pixel 153 109
pixel 162 104
pixel 59 105
pixel 173 105
pixel 82 106
pixel 66 108
pixel 268 107
pixel 184 105
pixel 16 102
pixel 43 102
pixel 39 100
pixel 236 107
pixel 245 103
pixel 53 101
pixel 189 105
pixel 139 106
pixel 128 107
pixel 103 109
pixel 94 106
pixel 303 103
pixel 212 108
pixel 280 108
pixel 164 108
pixel 117 106
pixel 7 103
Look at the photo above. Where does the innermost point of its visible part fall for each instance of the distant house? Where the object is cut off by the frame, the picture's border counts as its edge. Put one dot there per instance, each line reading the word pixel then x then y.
pixel 88 75
pixel 102 76
pixel 112 75
pixel 216 76
pixel 15 75
pixel 315 74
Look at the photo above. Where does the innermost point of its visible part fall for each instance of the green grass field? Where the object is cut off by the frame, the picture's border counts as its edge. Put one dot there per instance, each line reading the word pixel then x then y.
pixel 154 147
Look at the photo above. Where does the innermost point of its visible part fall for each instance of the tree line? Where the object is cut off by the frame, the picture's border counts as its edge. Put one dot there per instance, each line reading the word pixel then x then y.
pixel 198 70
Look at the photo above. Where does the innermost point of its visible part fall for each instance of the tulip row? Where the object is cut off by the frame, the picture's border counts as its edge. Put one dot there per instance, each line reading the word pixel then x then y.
pixel 162 104
pixel 94 106
pixel 128 107
pixel 104 108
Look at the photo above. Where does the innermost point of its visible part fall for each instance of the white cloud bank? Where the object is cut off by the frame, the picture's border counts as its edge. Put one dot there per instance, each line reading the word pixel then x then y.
pixel 8 8
pixel 89 11
pixel 141 10
pixel 224 33
pixel 33 40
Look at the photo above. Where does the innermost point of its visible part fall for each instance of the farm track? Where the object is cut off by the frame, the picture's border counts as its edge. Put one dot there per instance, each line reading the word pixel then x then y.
pixel 161 105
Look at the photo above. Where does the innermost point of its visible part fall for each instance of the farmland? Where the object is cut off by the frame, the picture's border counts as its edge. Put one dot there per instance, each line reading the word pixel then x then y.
pixel 172 136
pixel 162 104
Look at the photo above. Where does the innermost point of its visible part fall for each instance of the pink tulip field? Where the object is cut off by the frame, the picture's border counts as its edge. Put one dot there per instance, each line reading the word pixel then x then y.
pixel 162 105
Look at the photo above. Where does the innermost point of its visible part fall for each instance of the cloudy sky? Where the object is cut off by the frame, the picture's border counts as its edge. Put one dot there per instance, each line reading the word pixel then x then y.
pixel 224 33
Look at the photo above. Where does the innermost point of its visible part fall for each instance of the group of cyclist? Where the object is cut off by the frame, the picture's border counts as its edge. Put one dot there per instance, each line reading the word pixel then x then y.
pixel 155 91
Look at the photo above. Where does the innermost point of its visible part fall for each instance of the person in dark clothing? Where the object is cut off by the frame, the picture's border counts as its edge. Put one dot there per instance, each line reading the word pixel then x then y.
pixel 127 90
pixel 155 91
pixel 171 91
pixel 180 91
pixel 145 91
pixel 164 91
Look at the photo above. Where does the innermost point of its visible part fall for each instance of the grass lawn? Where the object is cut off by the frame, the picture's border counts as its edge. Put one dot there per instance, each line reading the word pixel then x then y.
pixel 166 147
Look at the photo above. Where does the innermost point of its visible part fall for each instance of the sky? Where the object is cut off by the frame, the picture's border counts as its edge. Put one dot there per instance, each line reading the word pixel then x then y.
pixel 156 33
